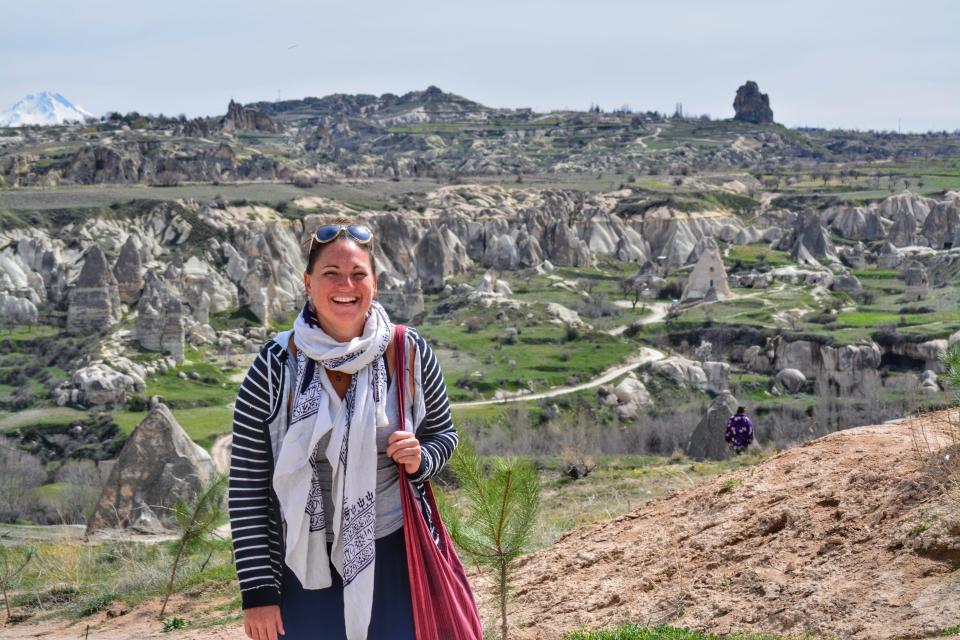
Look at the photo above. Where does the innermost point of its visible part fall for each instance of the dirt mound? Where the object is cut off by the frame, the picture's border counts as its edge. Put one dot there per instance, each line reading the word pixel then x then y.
pixel 849 535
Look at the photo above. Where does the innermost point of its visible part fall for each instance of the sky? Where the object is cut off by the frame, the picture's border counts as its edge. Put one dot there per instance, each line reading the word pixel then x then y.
pixel 852 64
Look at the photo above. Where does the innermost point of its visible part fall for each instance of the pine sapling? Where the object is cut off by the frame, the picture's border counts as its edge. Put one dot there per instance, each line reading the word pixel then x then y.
pixel 196 521
pixel 499 511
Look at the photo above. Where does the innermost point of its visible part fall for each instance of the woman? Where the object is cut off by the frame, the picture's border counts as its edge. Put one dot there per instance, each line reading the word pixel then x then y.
pixel 314 480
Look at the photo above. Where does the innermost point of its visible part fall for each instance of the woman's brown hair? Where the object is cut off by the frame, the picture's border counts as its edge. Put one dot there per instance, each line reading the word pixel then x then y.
pixel 316 248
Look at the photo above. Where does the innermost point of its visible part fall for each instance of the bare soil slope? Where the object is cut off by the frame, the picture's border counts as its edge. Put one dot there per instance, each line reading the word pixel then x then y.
pixel 850 535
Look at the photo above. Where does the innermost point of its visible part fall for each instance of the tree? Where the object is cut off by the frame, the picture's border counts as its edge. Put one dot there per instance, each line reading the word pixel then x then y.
pixel 499 511
pixel 195 523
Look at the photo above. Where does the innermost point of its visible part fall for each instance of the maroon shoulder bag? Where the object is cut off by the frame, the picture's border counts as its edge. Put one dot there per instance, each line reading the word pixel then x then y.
pixel 443 605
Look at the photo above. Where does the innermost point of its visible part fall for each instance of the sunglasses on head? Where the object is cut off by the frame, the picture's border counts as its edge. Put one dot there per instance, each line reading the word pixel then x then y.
pixel 359 233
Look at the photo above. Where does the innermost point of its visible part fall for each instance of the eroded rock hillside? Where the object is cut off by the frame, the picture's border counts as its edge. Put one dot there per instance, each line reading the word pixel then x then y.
pixel 853 535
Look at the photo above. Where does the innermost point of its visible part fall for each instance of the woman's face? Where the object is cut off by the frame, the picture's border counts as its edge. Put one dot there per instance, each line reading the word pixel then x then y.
pixel 341 287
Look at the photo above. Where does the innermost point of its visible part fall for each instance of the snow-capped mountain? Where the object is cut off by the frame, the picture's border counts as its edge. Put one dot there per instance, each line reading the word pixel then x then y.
pixel 42 108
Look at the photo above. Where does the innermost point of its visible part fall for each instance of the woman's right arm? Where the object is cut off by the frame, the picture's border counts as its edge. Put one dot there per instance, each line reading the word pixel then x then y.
pixel 249 496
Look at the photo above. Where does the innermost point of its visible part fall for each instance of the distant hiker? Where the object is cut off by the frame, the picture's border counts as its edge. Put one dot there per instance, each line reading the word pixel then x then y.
pixel 739 432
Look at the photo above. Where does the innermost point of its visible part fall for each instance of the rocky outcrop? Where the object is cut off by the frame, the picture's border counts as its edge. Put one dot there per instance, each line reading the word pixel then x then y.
pixel 403 299
pixel 942 227
pixel 752 106
pixel 128 271
pixel 15 310
pixel 811 242
pixel 101 385
pixel 708 280
pixel 915 278
pixel 94 298
pixel 857 223
pixel 160 323
pixel 928 353
pixel 850 370
pixel 240 118
pixel 681 371
pixel 718 376
pixel 440 255
pixel 791 379
pixel 158 466
pixel 707 440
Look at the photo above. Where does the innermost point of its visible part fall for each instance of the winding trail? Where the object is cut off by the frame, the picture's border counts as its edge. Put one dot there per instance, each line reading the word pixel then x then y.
pixel 647 354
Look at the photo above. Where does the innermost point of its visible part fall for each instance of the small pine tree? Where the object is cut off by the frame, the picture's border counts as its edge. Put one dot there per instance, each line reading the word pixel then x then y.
pixel 499 511
pixel 195 522
pixel 951 363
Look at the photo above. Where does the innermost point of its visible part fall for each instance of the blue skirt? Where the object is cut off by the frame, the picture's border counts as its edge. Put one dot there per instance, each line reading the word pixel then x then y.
pixel 318 614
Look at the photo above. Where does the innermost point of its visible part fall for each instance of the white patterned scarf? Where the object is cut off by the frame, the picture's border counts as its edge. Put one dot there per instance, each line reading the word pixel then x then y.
pixel 352 453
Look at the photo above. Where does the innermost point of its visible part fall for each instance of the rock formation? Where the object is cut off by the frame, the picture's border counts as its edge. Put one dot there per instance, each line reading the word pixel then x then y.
pixel 918 284
pixel 15 310
pixel 708 280
pixel 440 255
pixel 128 271
pixel 707 440
pixel 158 465
pixel 239 118
pixel 752 106
pixel 101 385
pixel 94 298
pixel 811 242
pixel 942 227
pixel 160 323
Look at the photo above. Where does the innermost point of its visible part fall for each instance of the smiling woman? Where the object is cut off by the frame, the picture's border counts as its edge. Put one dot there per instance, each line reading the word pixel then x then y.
pixel 315 470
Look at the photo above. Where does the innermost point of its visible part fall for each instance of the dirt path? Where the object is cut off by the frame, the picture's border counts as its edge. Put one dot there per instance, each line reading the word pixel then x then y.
pixel 647 354
pixel 659 313
pixel 655 134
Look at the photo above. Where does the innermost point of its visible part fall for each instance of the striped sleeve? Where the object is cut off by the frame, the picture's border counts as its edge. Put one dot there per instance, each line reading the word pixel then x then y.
pixel 257 555
pixel 437 435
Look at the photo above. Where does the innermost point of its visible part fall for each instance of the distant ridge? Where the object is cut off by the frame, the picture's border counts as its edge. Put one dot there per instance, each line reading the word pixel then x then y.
pixel 44 108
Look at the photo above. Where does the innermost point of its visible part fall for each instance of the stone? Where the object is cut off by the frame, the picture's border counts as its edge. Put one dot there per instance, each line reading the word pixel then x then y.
pixel 403 299
pixel 847 284
pixel 158 466
pixel 564 315
pixel 941 228
pixel 160 321
pixel 918 283
pixel 94 298
pixel 14 310
pixel 929 383
pixel 632 391
pixel 708 280
pixel 239 117
pixel 707 440
pixel 811 241
pixel 101 385
pixel 718 376
pixel 681 371
pixel 440 254
pixel 128 271
pixel 752 106
pixel 791 379
pixel 888 257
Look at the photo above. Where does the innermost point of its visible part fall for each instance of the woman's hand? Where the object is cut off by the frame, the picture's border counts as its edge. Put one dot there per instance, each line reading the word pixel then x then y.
pixel 404 448
pixel 263 623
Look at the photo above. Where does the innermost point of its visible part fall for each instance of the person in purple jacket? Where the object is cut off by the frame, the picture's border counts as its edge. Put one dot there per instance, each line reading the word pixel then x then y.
pixel 739 432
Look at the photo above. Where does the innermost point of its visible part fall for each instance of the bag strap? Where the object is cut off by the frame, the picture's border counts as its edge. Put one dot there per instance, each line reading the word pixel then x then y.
pixel 292 348
pixel 400 359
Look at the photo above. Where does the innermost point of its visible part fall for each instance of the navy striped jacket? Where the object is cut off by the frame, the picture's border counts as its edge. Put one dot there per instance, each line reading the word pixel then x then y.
pixel 253 506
